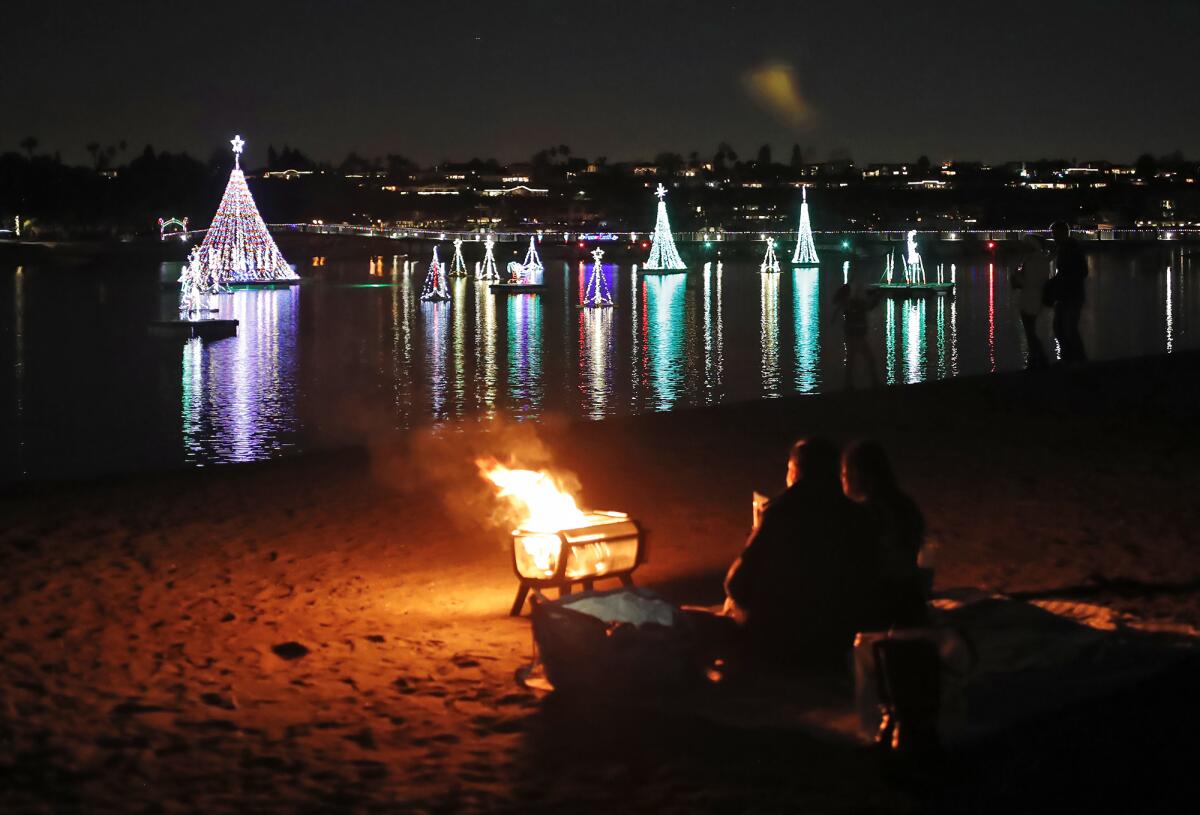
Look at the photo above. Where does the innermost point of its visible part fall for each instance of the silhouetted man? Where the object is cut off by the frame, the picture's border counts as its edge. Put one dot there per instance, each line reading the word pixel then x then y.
pixel 1065 292
pixel 803 581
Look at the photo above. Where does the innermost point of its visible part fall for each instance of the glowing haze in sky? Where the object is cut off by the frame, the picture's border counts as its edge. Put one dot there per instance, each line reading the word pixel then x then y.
pixel 432 80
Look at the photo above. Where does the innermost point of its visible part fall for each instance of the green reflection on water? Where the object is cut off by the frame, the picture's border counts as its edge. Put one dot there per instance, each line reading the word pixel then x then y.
pixel 663 320
pixel 915 362
pixel 889 328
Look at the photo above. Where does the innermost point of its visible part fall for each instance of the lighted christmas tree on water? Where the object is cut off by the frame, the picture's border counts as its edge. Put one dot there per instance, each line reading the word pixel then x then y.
pixel 435 290
pixel 596 295
pixel 488 273
pixel 458 267
pixel 770 263
pixel 192 292
pixel 532 263
pixel 914 267
pixel 663 254
pixel 806 250
pixel 237 247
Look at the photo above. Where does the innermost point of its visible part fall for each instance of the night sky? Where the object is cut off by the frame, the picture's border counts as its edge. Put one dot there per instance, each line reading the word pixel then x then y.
pixel 1078 79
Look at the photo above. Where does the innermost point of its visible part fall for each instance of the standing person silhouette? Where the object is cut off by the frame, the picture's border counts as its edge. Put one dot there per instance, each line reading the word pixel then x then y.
pixel 853 301
pixel 1030 279
pixel 1065 291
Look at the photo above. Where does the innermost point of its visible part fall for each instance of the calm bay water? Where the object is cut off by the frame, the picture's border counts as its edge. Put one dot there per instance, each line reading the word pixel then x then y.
pixel 353 352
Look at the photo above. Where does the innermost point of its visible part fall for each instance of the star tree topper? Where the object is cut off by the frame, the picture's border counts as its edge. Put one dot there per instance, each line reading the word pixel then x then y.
pixel 597 254
pixel 238 144
pixel 661 192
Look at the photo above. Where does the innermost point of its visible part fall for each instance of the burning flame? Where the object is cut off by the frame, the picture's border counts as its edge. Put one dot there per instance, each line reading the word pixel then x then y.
pixel 541 502
pixel 543 508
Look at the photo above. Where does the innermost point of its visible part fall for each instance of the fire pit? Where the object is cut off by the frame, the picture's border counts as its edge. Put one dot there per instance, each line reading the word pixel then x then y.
pixel 558 545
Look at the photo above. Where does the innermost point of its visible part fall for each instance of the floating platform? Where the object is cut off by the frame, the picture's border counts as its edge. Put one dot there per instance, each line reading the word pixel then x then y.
pixel 908 289
pixel 186 329
pixel 516 288
pixel 642 270
pixel 265 284
pixel 807 265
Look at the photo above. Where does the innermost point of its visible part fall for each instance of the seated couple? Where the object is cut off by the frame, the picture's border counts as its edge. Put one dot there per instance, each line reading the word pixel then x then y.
pixel 834 554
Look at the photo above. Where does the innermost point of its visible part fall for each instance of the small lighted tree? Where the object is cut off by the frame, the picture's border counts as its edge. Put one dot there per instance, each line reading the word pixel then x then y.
pixel 458 267
pixel 488 273
pixel 597 295
pixel 914 267
pixel 532 263
pixel 191 291
pixel 435 290
pixel 806 249
pixel 663 254
pixel 770 263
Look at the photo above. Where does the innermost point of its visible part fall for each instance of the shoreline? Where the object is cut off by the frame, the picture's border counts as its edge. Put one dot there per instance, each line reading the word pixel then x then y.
pixel 143 616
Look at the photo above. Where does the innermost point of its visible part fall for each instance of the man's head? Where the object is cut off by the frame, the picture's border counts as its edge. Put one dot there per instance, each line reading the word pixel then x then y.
pixel 1061 230
pixel 866 471
pixel 814 460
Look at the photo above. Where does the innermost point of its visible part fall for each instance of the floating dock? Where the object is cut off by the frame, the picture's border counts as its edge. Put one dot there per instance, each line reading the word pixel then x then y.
pixel 186 329
pixel 662 271
pixel 516 288
pixel 909 289
pixel 265 284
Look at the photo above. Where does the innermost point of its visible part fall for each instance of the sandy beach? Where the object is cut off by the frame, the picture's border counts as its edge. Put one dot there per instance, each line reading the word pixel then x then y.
pixel 330 632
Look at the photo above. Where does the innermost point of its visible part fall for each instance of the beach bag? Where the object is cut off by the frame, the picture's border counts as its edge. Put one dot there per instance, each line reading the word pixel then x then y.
pixel 614 643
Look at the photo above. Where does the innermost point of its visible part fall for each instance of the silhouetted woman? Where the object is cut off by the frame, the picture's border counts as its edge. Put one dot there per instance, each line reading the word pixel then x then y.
pixel 899 527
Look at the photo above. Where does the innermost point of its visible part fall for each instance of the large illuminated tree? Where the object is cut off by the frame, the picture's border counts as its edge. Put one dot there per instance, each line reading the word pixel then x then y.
pixel 663 254
pixel 435 290
pixel 596 295
pixel 806 250
pixel 237 247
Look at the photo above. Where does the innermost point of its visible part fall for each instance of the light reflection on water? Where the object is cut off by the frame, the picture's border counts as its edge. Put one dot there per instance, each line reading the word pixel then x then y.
pixel 663 333
pixel 238 395
pixel 525 354
pixel 806 310
pixel 335 361
pixel 769 332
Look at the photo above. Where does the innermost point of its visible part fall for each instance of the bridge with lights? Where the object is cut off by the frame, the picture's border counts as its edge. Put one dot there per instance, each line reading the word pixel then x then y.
pixel 712 235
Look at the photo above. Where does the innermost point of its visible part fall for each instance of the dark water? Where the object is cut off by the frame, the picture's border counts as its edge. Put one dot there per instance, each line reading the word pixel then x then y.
pixel 353 352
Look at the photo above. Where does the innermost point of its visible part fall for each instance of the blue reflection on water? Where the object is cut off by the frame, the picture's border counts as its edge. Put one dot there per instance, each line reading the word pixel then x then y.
pixel 806 313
